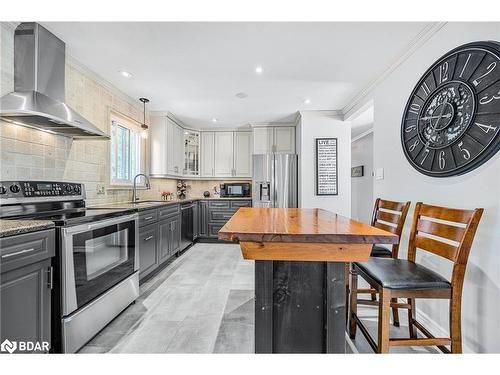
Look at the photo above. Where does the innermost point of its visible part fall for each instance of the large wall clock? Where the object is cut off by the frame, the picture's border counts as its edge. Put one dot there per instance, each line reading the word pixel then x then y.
pixel 451 123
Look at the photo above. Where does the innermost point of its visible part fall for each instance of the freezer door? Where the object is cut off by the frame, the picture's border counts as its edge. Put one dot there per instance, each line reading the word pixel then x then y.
pixel 262 181
pixel 285 180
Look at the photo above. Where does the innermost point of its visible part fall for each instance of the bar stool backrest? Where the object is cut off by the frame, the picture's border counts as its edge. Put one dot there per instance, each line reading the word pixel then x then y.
pixel 446 232
pixel 390 216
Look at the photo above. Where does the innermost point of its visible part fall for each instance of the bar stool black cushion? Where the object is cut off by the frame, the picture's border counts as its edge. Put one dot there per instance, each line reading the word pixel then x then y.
pixel 380 252
pixel 402 274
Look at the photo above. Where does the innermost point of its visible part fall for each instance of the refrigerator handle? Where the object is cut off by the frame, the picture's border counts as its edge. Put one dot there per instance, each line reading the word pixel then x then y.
pixel 274 193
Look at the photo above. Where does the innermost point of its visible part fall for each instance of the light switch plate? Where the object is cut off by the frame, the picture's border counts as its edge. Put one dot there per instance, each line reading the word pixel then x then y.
pixel 379 174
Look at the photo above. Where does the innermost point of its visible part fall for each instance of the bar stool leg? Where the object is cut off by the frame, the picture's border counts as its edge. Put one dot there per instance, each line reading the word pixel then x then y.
pixel 384 316
pixel 395 313
pixel 412 313
pixel 456 323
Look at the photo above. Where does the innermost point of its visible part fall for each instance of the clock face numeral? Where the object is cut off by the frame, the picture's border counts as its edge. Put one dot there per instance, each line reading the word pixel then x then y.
pixel 462 71
pixel 489 69
pixel 486 128
pixel 487 73
pixel 444 71
pixel 414 145
pixel 465 152
pixel 414 108
pixel 451 123
pixel 442 160
pixel 425 88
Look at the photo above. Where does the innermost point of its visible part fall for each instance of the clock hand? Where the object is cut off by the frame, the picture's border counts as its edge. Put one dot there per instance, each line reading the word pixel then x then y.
pixel 437 122
pixel 448 115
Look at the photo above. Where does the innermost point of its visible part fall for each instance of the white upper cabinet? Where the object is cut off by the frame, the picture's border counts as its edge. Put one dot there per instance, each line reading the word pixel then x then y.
pixel 284 139
pixel 223 161
pixel 176 151
pixel 242 154
pixel 207 154
pixel 262 140
pixel 277 139
pixel 158 155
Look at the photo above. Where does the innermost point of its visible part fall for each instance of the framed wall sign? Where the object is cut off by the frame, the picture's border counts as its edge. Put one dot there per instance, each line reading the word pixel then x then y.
pixel 326 166
pixel 357 171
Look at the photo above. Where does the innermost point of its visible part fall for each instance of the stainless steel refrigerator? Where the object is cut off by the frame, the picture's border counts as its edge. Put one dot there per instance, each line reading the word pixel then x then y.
pixel 274 181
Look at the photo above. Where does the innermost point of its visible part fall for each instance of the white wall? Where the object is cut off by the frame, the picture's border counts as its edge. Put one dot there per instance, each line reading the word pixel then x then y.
pixel 480 188
pixel 362 187
pixel 323 124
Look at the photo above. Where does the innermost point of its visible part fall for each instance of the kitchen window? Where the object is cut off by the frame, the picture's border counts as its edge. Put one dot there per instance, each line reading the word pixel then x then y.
pixel 126 151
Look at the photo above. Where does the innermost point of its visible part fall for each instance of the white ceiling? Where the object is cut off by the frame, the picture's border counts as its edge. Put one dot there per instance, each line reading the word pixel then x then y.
pixel 194 70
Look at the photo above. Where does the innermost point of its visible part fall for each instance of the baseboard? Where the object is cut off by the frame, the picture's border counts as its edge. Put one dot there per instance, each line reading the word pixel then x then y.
pixel 437 330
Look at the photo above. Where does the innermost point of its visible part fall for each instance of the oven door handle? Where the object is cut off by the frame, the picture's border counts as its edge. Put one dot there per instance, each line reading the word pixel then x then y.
pixel 100 224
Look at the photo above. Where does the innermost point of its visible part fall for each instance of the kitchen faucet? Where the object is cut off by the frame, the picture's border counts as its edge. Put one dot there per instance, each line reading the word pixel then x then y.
pixel 134 193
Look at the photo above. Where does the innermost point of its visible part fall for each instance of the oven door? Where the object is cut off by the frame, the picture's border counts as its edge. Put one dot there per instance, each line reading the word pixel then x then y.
pixel 95 257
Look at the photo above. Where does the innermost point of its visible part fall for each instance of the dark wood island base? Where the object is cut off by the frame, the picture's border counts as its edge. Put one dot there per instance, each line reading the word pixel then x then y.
pixel 300 257
pixel 300 307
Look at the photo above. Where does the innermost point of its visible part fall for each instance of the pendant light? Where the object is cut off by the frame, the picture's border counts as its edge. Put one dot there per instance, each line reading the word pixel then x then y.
pixel 144 133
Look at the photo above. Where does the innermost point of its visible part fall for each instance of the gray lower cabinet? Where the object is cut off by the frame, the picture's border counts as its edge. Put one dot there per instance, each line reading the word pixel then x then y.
pixel 214 214
pixel 159 237
pixel 25 290
pixel 148 254
pixel 169 237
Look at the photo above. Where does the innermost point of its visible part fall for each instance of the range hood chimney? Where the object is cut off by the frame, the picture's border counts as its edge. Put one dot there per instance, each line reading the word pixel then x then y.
pixel 38 99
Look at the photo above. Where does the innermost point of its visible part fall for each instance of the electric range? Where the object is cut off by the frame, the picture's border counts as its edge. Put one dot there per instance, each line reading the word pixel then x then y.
pixel 96 263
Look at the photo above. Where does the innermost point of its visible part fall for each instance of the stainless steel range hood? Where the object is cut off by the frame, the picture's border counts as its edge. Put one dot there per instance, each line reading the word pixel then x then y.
pixel 38 99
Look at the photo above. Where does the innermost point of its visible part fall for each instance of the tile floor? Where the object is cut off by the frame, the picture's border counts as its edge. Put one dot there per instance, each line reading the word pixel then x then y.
pixel 201 303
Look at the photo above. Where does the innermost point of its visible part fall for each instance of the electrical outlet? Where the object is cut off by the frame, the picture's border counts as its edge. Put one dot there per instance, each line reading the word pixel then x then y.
pixel 101 189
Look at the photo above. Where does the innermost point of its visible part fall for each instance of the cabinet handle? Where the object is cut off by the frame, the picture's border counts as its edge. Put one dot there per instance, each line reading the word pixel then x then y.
pixel 148 217
pixel 148 238
pixel 50 274
pixel 17 253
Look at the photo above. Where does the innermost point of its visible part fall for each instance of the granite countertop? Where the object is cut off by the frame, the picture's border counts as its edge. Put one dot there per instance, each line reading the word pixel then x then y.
pixel 14 227
pixel 149 204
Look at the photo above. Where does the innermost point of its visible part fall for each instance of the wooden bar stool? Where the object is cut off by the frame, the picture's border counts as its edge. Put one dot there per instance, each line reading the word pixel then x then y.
pixel 399 278
pixel 389 216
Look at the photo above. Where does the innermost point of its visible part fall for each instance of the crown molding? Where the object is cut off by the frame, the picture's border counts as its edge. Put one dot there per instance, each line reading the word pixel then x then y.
pixel 418 41
pixel 361 135
pixel 337 113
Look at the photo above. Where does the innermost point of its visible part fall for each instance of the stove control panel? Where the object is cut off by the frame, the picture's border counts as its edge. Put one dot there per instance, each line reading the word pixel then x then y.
pixel 40 189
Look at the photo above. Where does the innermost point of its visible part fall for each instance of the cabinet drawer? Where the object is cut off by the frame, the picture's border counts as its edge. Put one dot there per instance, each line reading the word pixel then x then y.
pixel 238 204
pixel 148 217
pixel 18 251
pixel 214 228
pixel 219 204
pixel 168 211
pixel 219 215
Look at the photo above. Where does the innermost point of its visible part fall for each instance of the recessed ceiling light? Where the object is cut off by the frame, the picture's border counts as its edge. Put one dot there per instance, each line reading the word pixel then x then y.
pixel 258 69
pixel 241 95
pixel 125 74
pixel 307 101
pixel 214 120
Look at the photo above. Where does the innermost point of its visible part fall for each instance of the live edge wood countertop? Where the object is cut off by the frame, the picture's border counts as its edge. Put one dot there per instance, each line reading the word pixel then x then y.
pixel 302 234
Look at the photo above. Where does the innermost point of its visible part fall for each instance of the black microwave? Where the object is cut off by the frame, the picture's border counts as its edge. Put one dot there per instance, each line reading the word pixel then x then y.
pixel 235 189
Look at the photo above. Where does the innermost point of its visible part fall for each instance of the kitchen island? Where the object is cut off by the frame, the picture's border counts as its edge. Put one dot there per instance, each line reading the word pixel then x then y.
pixel 300 257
